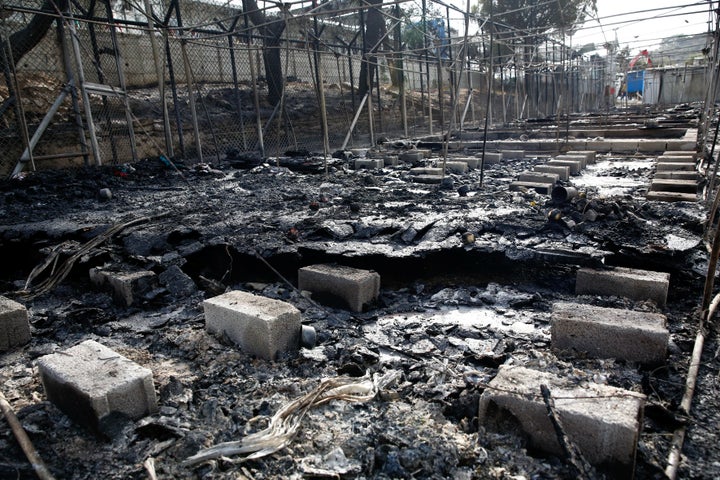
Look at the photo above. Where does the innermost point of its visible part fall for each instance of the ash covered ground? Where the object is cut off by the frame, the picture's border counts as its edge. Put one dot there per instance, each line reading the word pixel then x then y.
pixel 449 313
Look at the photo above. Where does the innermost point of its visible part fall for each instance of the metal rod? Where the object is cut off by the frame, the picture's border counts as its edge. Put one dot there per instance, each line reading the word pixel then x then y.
pixel 160 72
pixel 487 100
pixel 355 119
pixel 191 99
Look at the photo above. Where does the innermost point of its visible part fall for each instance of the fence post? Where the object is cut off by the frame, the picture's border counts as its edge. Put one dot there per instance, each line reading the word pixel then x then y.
pixel 159 71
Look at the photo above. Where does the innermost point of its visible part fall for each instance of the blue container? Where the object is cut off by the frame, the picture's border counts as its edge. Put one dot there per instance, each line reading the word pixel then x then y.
pixel 635 82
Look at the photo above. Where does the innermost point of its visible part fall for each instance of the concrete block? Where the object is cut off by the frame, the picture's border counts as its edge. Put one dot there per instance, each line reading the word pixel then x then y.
pixel 561 171
pixel 671 197
pixel 513 154
pixel 601 146
pixel 624 282
pixel 676 159
pixel 575 165
pixel 674 185
pixel 603 421
pixel 601 332
pixel 260 326
pixel 590 155
pixel 90 381
pixel 651 145
pixel 391 160
pixel 675 153
pixel 581 158
pixel 627 146
pixel 428 179
pixel 490 158
pixel 674 166
pixel 426 152
pixel 455 167
pixel 471 162
pixel 357 287
pixel 426 171
pixel 127 287
pixel 412 156
pixel 540 187
pixel 369 163
pixel 679 175
pixel 538 177
pixel 680 145
pixel 14 324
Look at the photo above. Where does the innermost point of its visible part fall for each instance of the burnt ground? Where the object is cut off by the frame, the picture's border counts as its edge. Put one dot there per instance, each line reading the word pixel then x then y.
pixel 448 315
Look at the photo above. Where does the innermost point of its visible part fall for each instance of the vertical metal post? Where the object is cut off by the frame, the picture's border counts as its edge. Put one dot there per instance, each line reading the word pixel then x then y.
pixel 256 95
pixel 487 101
pixel 160 72
pixel 83 91
pixel 320 90
pixel 427 62
pixel 236 88
pixel 403 104
pixel 191 97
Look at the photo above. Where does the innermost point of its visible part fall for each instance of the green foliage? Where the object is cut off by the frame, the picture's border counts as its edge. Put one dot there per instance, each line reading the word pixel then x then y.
pixel 534 20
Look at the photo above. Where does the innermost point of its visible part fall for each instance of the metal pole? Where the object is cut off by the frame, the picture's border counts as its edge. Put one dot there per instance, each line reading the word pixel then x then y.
pixel 160 72
pixel 191 98
pixel 355 119
pixel 427 63
pixel 236 87
pixel 86 97
pixel 487 101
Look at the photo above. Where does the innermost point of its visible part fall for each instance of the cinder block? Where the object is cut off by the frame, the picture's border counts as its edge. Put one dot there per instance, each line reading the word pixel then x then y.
pixel 126 286
pixel 603 421
pixel 513 154
pixel 543 188
pixel 674 185
pixel 579 158
pixel 682 145
pixel 610 332
pixel 454 167
pixel 391 160
pixel 260 326
pixel 575 165
pixel 676 159
pixel 599 145
pixel 426 152
pixel 624 282
pixel 674 166
pixel 490 158
pixel 675 153
pixel 671 197
pixel 538 177
pixel 562 171
pixel 472 162
pixel 651 145
pixel 412 156
pixel 686 175
pixel 14 324
pixel 369 163
pixel 428 179
pixel 628 146
pixel 357 287
pixel 426 171
pixel 90 381
pixel 590 155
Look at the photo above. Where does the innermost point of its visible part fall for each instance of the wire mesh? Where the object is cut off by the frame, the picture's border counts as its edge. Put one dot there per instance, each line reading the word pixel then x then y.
pixel 88 90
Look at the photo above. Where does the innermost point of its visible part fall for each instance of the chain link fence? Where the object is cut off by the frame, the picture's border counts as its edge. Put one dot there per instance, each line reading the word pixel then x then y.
pixel 80 83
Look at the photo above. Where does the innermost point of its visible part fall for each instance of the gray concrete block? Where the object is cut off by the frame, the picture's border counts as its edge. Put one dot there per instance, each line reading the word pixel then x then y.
pixel 681 145
pixel 260 326
pixel 543 188
pixel 579 158
pixel 513 154
pixel 14 324
pixel 574 165
pixel 645 145
pixel 454 167
pixel 676 159
pixel 631 146
pixel 601 332
pixel 562 171
pixel 391 160
pixel 427 179
pixel 678 175
pixel 675 166
pixel 590 155
pixel 538 177
pixel 624 282
pixel 472 162
pixel 674 185
pixel 357 287
pixel 490 158
pixel 127 287
pixel 426 171
pixel 671 197
pixel 603 421
pixel 599 145
pixel 675 153
pixel 369 163
pixel 90 381
pixel 412 156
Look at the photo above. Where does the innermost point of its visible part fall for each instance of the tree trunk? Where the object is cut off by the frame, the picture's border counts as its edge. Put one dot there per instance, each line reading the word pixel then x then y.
pixel 375 30
pixel 271 32
pixel 27 38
